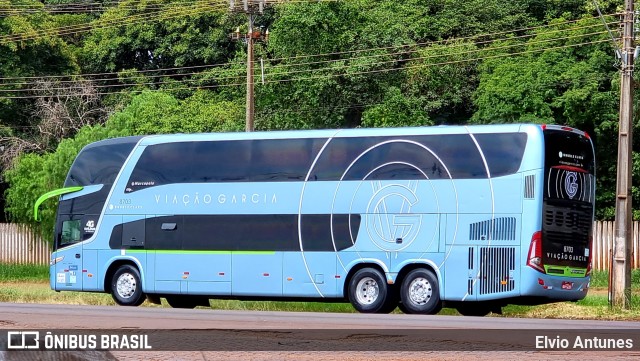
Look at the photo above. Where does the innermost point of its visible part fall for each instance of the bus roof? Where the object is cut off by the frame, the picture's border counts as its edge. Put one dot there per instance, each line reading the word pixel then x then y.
pixel 328 133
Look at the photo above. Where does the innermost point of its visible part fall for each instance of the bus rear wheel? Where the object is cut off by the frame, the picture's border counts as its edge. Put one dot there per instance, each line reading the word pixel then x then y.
pixel 419 293
pixel 368 292
pixel 126 287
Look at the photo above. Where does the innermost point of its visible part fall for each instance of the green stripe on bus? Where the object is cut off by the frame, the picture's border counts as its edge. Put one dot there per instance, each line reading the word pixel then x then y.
pixel 168 251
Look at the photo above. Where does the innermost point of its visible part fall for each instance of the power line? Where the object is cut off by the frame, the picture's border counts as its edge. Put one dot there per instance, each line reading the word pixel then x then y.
pixel 316 77
pixel 453 43
pixel 314 70
pixel 109 23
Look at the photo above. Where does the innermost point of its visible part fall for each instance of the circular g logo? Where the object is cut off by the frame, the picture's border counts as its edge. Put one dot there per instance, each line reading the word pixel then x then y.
pixel 571 184
pixel 389 217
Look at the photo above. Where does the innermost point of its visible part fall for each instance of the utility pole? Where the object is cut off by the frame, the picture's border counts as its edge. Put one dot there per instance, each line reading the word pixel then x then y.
pixel 620 287
pixel 251 8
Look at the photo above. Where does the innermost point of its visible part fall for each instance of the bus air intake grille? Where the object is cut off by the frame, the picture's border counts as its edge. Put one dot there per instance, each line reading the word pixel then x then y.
pixel 529 186
pixel 503 228
pixel 497 265
pixel 567 220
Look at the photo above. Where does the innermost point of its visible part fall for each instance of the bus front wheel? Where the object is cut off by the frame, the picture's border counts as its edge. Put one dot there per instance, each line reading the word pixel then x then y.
pixel 419 293
pixel 368 291
pixel 126 287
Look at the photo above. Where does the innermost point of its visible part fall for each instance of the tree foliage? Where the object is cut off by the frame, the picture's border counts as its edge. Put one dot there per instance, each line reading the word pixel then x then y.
pixel 148 113
pixel 551 80
pixel 161 66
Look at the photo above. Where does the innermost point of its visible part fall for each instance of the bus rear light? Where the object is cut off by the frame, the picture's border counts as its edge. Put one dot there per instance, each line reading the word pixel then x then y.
pixel 535 252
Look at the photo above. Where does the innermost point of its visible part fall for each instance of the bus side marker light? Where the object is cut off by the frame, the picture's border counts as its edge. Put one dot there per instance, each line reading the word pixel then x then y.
pixel 220 273
pixel 289 279
pixel 265 274
pixel 337 276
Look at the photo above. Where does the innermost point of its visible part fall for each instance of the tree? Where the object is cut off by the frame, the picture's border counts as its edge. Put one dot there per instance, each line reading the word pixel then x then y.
pixel 156 35
pixel 555 78
pixel 60 110
pixel 444 76
pixel 149 113
pixel 397 110
pixel 28 48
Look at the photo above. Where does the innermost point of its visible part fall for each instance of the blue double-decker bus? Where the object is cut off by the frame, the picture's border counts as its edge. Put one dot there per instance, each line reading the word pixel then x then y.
pixel 470 217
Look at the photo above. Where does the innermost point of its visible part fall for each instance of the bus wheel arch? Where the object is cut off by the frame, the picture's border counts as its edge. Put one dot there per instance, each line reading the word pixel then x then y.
pixel 419 290
pixel 367 289
pixel 124 282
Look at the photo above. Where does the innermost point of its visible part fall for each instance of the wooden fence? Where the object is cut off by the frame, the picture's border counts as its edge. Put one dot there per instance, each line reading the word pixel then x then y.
pixel 19 245
pixel 603 245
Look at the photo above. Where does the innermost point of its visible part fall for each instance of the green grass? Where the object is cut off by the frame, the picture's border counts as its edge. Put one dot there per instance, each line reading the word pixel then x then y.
pixel 23 272
pixel 30 284
pixel 600 279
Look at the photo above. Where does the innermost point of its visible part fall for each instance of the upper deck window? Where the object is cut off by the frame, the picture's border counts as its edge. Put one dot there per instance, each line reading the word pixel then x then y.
pixel 342 159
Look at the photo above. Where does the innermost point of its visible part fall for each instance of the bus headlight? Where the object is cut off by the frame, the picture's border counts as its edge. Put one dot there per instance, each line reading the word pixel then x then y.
pixel 56 260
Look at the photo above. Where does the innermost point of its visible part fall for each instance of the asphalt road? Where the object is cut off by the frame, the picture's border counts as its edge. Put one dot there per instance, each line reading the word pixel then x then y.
pixel 203 334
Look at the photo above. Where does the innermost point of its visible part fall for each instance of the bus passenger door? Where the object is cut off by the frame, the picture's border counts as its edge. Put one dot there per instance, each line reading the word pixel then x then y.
pixel 68 270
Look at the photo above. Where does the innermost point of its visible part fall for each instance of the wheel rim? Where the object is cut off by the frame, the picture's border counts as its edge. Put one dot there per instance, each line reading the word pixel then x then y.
pixel 126 285
pixel 420 291
pixel 367 291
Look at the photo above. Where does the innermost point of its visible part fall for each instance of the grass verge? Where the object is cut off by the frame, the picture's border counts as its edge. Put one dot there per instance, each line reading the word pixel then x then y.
pixel 23 272
pixel 29 284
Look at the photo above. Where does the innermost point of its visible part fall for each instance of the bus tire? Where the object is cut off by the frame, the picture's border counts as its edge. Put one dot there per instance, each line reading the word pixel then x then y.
pixel 368 291
pixel 402 308
pixel 420 293
pixel 126 287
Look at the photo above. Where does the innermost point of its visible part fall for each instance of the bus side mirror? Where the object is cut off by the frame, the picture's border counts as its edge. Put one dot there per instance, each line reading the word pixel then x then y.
pixel 53 193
